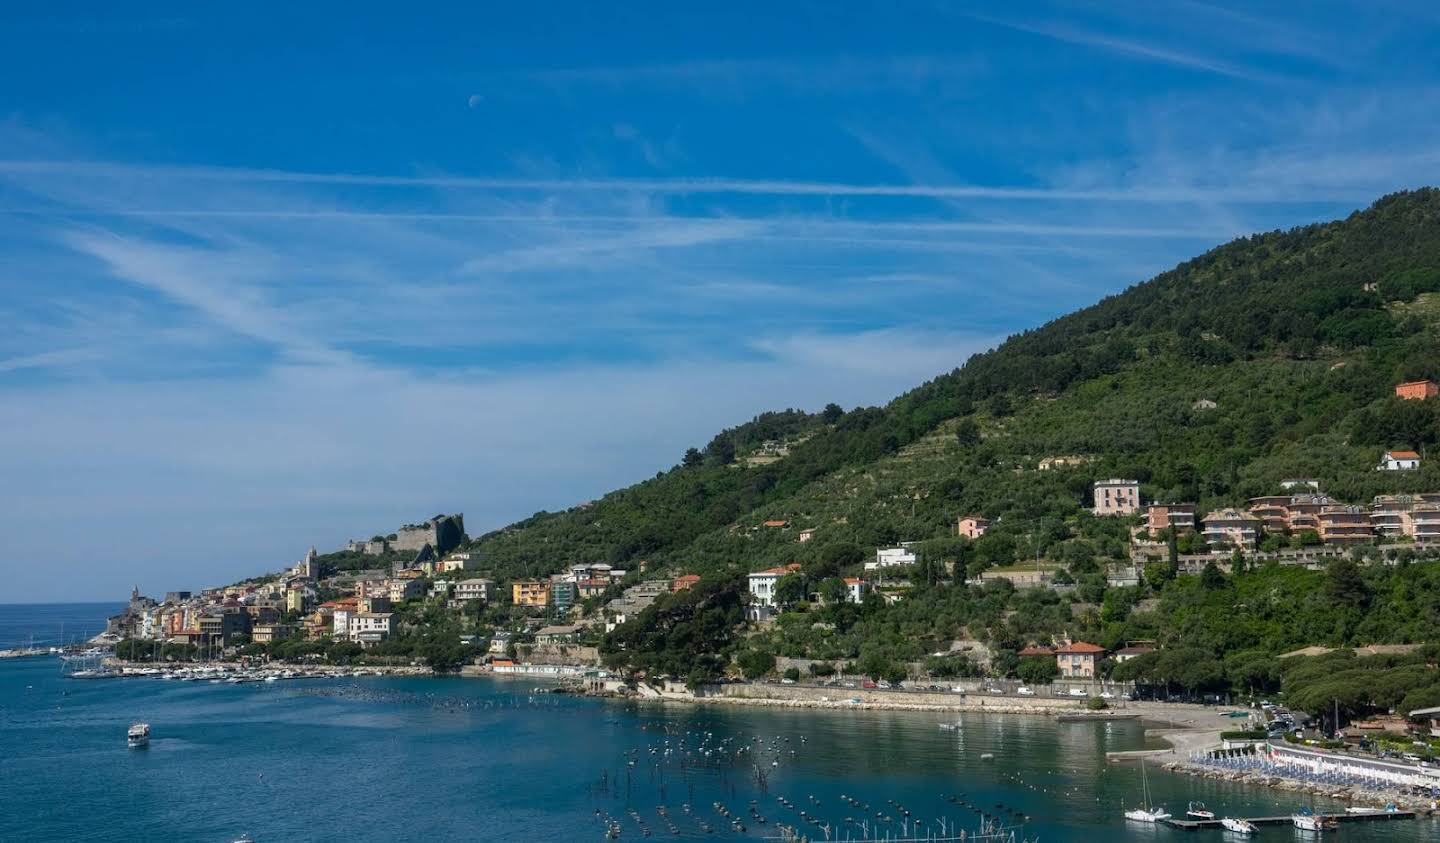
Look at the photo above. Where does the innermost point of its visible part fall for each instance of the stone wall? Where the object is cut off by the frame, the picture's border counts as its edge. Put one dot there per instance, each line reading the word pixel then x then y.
pixel 443 532
pixel 568 654
pixel 811 693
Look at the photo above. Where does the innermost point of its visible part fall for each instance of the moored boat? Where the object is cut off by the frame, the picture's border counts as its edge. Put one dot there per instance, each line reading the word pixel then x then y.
pixel 1198 811
pixel 1238 825
pixel 1306 821
pixel 1148 812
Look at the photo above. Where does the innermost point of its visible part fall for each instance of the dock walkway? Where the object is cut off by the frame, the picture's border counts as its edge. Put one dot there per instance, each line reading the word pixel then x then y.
pixel 1193 825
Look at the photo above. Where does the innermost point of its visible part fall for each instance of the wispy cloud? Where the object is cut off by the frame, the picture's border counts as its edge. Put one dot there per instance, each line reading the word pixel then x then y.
pixel 212 285
pixel 1320 187
pixel 738 77
pixel 1135 49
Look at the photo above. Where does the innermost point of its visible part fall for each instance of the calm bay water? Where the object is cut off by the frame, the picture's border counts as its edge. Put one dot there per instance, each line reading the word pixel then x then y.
pixel 471 759
pixel 52 624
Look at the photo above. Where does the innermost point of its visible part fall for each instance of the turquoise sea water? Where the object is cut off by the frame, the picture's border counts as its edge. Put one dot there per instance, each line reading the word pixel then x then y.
pixel 472 759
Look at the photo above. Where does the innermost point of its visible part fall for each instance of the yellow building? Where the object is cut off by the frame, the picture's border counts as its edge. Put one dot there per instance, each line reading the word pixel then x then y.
pixel 530 593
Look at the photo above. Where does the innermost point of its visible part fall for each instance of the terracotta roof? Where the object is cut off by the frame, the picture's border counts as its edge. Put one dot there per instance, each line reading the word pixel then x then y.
pixel 1036 651
pixel 777 524
pixel 787 569
pixel 1402 455
pixel 1081 648
pixel 853 580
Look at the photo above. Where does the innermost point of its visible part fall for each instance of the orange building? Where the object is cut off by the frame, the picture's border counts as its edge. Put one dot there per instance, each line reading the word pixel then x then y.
pixel 1417 390
pixel 533 593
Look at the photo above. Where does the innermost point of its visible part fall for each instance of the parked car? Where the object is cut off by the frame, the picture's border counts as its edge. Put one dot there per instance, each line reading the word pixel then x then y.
pixel 884 684
pixel 1076 692
pixel 867 684
pixel 993 691
pixel 787 681
pixel 1025 692
pixel 1106 695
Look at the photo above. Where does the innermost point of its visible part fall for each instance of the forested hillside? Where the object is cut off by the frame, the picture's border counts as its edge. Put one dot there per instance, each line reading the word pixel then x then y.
pixel 1297 338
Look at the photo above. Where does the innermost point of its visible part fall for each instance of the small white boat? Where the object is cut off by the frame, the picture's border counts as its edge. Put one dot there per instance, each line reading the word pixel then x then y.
pixel 1238 826
pixel 1306 821
pixel 1198 811
pixel 1388 809
pixel 138 735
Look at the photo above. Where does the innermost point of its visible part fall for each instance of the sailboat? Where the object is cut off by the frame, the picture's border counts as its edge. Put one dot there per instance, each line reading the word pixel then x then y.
pixel 1147 812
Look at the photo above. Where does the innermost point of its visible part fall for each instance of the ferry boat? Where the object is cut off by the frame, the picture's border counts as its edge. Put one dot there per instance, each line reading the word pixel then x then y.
pixel 138 735
pixel 1238 826
pixel 1198 811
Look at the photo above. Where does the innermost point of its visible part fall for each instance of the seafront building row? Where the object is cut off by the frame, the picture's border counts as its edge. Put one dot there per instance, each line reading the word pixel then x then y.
pixel 289 605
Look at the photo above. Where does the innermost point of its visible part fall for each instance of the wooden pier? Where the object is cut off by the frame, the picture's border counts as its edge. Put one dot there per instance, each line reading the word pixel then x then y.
pixel 1194 825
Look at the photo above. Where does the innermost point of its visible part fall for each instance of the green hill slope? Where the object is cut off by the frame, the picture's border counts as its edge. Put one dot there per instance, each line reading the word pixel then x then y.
pixel 1297 337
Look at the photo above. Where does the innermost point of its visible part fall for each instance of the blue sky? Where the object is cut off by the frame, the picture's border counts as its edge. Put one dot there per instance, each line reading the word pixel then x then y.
pixel 280 275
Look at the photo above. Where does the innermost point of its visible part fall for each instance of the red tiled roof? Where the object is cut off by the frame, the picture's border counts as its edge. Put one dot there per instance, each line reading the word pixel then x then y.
pixel 788 569
pixel 777 524
pixel 1036 651
pixel 1402 455
pixel 1081 648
